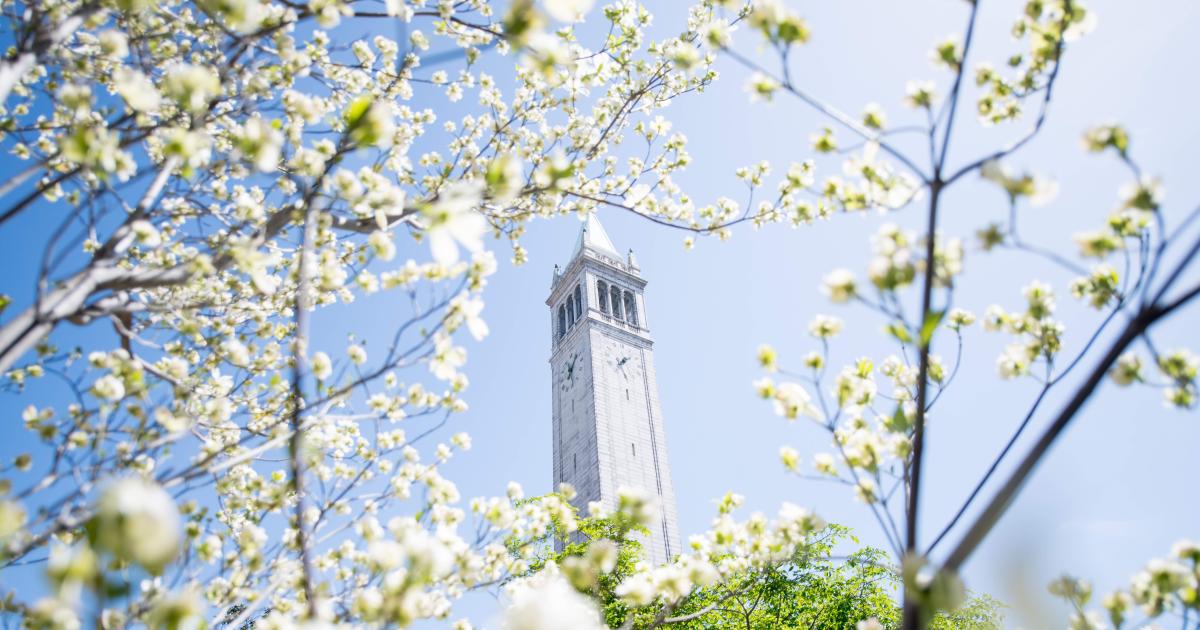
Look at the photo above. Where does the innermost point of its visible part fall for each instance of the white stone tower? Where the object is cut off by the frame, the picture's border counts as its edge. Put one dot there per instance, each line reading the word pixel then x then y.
pixel 608 427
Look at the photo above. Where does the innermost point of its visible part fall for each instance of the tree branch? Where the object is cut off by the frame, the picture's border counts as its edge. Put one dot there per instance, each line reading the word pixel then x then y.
pixel 296 445
pixel 46 36
pixel 1137 327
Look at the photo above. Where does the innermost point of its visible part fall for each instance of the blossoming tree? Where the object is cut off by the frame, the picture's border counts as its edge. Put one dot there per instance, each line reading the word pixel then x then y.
pixel 219 169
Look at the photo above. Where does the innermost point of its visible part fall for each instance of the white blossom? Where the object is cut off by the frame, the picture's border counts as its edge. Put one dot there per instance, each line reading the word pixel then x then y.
pixel 137 90
pixel 567 10
pixel 137 521
pixel 191 86
pixel 236 352
pixel 452 221
pixel 109 387
pixel 322 367
pixel 839 285
pixel 548 602
pixel 260 143
pixel 382 245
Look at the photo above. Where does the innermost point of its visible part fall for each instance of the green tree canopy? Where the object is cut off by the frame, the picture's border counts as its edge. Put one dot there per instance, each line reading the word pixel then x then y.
pixel 818 586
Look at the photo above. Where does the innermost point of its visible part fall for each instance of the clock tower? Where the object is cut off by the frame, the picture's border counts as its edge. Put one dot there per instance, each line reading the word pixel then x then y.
pixel 607 421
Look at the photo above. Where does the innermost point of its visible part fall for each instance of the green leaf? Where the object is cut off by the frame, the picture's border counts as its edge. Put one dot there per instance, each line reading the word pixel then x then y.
pixel 521 22
pixel 898 422
pixel 932 320
pixel 899 331
pixel 113 590
pixel 356 110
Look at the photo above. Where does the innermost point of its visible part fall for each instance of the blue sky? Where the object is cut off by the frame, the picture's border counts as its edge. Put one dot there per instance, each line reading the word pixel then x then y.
pixel 1114 491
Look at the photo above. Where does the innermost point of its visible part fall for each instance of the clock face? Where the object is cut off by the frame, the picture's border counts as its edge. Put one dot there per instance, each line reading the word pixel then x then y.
pixel 621 359
pixel 570 371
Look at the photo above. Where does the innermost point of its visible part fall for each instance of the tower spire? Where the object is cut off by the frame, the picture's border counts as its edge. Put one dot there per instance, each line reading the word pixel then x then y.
pixel 593 236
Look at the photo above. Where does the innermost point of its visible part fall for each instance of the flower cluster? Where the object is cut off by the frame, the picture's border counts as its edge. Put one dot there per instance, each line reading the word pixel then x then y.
pixel 730 547
pixel 1177 368
pixel 1038 335
pixel 1045 28
pixel 1164 586
pixel 286 162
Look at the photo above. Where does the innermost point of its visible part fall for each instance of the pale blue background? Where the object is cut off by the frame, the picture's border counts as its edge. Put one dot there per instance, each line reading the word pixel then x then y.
pixel 1118 489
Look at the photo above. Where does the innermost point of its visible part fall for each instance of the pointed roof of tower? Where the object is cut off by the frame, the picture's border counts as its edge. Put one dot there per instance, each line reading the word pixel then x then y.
pixel 593 236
